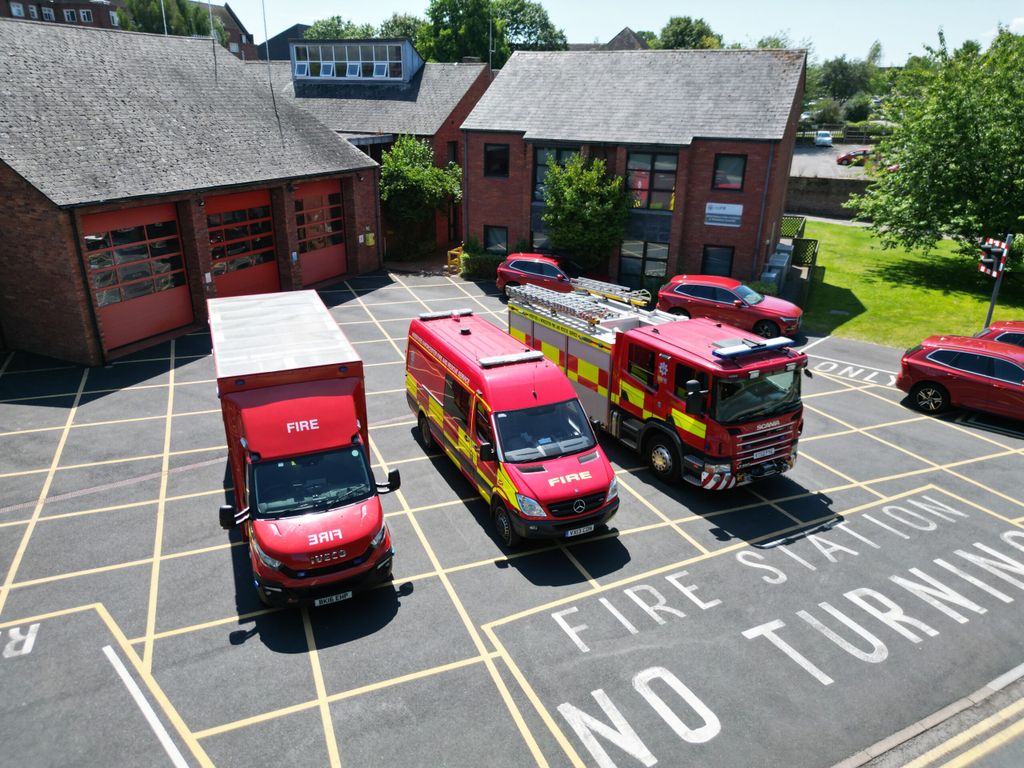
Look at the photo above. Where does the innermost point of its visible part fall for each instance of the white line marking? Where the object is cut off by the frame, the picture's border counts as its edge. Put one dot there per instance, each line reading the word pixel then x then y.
pixel 856 365
pixel 154 721
pixel 1005 679
pixel 816 341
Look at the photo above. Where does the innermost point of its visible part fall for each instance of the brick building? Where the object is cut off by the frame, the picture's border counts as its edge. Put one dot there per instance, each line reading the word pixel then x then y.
pixel 372 91
pixel 703 138
pixel 133 192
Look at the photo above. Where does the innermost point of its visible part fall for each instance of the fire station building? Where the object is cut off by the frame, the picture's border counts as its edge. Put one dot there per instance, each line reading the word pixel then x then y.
pixel 143 174
pixel 703 139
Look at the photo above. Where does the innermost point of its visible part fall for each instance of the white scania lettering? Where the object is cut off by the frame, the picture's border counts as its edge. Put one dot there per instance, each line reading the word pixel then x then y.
pixel 307 425
pixel 574 477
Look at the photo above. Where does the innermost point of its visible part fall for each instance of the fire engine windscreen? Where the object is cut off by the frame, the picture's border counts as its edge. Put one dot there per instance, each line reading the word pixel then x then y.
pixel 281 487
pixel 544 432
pixel 746 399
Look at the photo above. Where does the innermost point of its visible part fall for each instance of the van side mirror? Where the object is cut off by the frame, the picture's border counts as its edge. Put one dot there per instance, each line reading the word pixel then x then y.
pixel 694 398
pixel 487 452
pixel 229 518
pixel 393 483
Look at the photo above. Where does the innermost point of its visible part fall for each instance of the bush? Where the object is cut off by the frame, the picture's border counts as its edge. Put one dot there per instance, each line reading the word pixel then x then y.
pixel 872 127
pixel 857 108
pixel 764 287
pixel 827 112
pixel 479 265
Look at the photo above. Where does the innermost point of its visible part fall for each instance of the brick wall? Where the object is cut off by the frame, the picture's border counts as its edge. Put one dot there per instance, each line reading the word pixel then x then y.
pixel 499 202
pixel 44 305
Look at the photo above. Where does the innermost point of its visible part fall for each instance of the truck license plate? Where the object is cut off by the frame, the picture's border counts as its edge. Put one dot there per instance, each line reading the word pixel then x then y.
pixel 332 599
pixel 579 531
pixel 762 454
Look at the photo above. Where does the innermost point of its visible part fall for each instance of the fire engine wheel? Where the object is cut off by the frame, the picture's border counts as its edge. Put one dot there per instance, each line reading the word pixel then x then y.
pixel 503 526
pixel 930 398
pixel 662 457
pixel 507 286
pixel 766 328
pixel 679 311
pixel 426 439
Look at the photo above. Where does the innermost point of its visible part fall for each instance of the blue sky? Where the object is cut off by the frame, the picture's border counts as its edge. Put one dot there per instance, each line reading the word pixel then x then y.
pixel 902 26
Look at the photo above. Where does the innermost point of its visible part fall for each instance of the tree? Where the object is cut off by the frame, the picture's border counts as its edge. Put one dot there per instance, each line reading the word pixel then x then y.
pixel 842 78
pixel 401 25
pixel 687 32
pixel 527 26
pixel 586 211
pixel 412 188
pixel 337 28
pixel 957 142
pixel 183 18
pixel 459 28
pixel 649 37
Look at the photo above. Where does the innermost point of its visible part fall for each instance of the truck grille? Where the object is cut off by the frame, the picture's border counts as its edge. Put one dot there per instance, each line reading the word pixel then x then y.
pixel 766 446
pixel 315 572
pixel 565 508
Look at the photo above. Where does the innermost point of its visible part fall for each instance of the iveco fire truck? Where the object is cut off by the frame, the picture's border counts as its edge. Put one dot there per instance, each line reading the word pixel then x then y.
pixel 697 399
pixel 294 405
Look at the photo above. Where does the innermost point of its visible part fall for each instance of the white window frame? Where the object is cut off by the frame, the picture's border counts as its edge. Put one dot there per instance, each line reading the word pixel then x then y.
pixel 33 12
pixel 115 20
pixel 70 16
pixel 48 14
pixel 354 69
pixel 233 47
pixel 302 69
pixel 327 69
pixel 85 15
pixel 381 67
pixel 18 10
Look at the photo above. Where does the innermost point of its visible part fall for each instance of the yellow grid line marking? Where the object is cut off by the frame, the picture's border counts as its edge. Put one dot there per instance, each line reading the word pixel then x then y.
pixel 775 505
pixel 847 478
pixel 12 571
pixel 476 298
pixel 124 460
pixel 955 742
pixel 696 545
pixel 106 423
pixel 321 692
pixel 154 579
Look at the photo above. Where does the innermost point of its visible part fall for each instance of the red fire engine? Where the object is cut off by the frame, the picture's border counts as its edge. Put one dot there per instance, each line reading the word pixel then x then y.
pixel 697 399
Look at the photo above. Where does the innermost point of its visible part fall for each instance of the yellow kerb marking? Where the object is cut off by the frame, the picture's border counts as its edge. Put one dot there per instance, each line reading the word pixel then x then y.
pixel 321 692
pixel 968 735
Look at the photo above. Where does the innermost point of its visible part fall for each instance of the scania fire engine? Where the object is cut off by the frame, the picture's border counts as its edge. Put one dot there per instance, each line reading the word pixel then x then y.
pixel 698 399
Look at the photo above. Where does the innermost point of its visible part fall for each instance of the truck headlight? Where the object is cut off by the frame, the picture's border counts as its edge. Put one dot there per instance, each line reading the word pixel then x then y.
pixel 266 559
pixel 379 536
pixel 529 507
pixel 613 490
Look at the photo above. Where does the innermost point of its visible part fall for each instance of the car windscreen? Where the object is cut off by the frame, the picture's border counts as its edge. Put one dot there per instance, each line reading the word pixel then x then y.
pixel 749 295
pixel 739 400
pixel 310 482
pixel 543 432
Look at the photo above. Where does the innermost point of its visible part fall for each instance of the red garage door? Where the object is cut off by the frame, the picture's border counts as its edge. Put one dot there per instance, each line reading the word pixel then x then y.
pixel 242 243
pixel 320 220
pixel 136 273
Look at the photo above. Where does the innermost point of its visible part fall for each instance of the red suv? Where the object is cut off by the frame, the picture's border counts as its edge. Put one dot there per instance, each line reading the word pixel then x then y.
pixel 1006 331
pixel 729 301
pixel 964 371
pixel 532 269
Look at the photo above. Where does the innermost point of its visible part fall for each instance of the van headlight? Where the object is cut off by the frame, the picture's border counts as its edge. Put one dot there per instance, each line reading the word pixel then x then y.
pixel 529 507
pixel 266 559
pixel 613 490
pixel 379 536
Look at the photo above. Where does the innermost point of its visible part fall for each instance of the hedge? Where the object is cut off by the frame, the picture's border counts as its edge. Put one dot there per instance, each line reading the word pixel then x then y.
pixel 480 266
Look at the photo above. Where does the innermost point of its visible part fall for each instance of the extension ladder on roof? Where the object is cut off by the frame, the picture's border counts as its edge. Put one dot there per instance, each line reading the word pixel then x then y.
pixel 572 305
pixel 639 298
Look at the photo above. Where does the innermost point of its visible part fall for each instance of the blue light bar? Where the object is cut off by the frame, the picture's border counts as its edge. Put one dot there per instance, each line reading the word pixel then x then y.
pixel 752 347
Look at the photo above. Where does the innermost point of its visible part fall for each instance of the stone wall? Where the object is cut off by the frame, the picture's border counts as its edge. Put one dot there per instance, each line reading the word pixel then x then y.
pixel 822 197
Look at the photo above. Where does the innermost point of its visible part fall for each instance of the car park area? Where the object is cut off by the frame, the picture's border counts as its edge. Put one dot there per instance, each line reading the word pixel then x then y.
pixel 802 621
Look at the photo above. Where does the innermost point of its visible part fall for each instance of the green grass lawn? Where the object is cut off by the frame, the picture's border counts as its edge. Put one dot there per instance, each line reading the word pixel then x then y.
pixel 898 297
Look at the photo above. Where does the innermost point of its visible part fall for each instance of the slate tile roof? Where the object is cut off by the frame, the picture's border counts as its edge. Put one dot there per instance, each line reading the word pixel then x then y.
pixel 418 107
pixel 90 115
pixel 642 97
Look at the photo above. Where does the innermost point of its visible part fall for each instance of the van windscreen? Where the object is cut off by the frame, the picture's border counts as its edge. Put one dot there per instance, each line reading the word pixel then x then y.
pixel 543 432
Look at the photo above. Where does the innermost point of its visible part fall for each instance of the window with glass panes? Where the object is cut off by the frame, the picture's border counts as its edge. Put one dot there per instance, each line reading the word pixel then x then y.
pixel 350 61
pixel 643 264
pixel 127 263
pixel 320 220
pixel 543 159
pixel 651 179
pixel 496 240
pixel 729 172
pixel 241 239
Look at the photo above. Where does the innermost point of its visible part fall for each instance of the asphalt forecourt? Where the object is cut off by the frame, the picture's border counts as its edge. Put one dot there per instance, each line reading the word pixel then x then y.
pixel 801 621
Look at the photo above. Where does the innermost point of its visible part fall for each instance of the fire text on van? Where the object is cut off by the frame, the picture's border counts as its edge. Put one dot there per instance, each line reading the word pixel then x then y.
pixel 569 478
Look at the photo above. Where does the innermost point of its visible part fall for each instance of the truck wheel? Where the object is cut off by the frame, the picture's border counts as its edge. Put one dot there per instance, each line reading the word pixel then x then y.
pixel 662 457
pixel 766 328
pixel 930 398
pixel 503 526
pixel 426 439
pixel 679 311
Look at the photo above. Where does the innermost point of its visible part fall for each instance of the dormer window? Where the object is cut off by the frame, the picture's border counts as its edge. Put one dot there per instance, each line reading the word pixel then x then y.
pixel 301 68
pixel 380 69
pixel 353 69
pixel 349 60
pixel 327 69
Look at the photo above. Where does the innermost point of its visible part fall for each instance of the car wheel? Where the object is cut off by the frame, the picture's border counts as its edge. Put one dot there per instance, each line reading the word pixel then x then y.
pixel 503 526
pixel 679 311
pixel 662 457
pixel 507 286
pixel 262 595
pixel 930 398
pixel 426 439
pixel 766 329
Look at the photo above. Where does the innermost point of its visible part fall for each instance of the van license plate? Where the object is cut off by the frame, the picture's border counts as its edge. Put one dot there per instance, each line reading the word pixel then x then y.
pixel 332 599
pixel 579 531
pixel 762 454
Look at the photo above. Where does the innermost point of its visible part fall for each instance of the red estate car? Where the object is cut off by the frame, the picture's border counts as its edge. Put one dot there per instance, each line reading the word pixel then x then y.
pixel 729 301
pixel 854 157
pixel 964 371
pixel 532 269
pixel 1006 331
